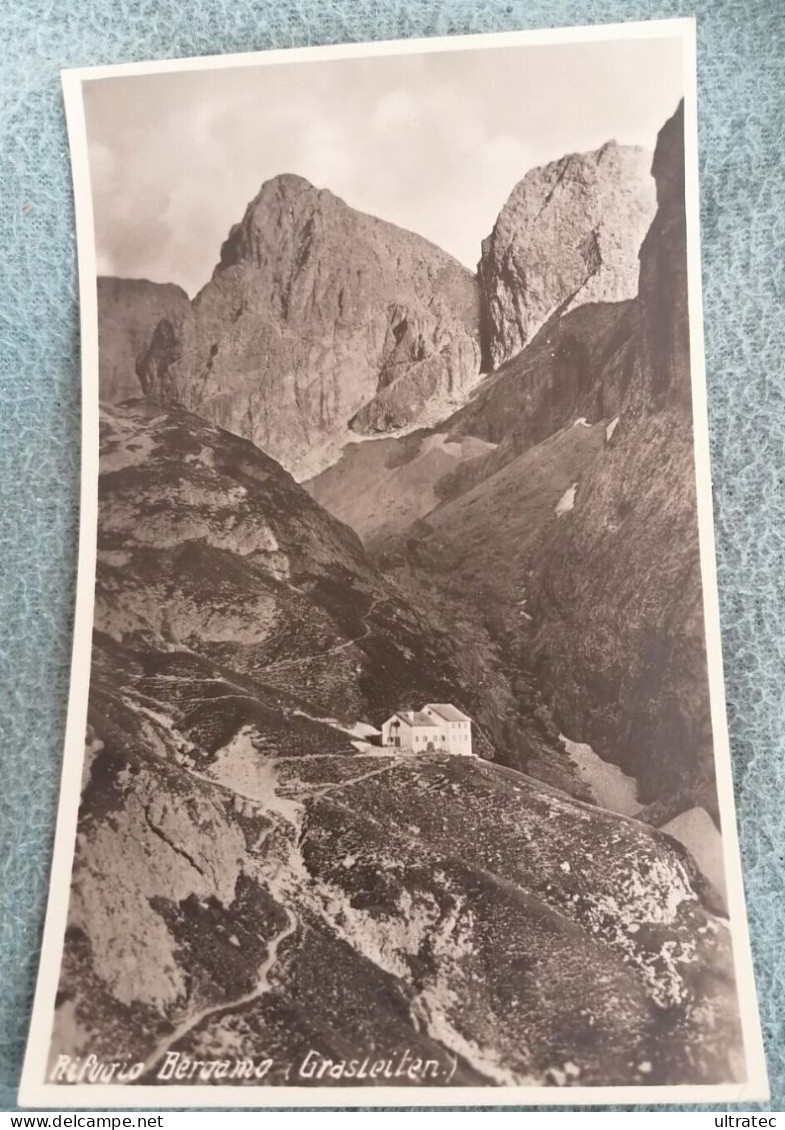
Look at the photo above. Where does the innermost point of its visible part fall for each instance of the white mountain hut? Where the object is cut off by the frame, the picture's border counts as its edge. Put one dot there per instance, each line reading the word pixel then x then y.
pixel 439 726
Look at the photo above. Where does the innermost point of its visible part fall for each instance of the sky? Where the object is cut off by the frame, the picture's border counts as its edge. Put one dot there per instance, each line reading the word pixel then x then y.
pixel 432 142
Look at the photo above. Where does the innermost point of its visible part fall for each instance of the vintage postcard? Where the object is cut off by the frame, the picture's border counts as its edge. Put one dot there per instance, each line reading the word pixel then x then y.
pixel 396 768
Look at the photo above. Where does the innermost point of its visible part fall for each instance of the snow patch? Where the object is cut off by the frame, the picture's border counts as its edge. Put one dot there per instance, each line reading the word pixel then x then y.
pixel 441 442
pixel 698 833
pixel 647 892
pixel 581 422
pixel 611 428
pixel 114 557
pixel 357 730
pixel 610 786
pixel 567 500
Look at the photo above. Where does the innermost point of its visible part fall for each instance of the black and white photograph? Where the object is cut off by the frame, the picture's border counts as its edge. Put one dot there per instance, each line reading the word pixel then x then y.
pixel 397 767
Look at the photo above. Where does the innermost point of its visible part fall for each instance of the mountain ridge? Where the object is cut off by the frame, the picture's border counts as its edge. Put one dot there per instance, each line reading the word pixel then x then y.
pixel 299 348
pixel 581 365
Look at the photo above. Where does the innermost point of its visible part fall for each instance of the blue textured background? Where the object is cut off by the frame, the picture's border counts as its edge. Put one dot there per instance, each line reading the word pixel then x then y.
pixel 742 122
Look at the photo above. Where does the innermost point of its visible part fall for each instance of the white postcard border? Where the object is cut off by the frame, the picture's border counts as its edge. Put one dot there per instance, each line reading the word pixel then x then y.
pixel 34 1091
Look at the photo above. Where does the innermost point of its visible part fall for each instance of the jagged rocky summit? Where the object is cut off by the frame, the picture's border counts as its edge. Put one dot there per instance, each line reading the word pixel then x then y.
pixel 568 235
pixel 318 321
pixel 247 877
pixel 321 323
pixel 129 311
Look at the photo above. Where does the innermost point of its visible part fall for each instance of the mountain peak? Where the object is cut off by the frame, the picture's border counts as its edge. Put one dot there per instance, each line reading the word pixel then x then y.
pixel 321 321
pixel 289 182
pixel 271 206
pixel 283 187
pixel 569 234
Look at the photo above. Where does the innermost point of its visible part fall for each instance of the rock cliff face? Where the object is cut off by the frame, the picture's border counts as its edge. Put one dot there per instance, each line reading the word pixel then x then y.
pixel 320 319
pixel 128 312
pixel 617 595
pixel 569 234
pixel 249 879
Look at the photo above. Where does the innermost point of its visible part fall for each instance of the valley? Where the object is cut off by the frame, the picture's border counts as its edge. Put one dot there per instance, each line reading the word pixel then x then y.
pixel 351 482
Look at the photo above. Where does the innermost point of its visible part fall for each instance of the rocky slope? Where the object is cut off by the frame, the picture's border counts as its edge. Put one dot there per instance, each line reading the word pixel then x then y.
pixel 460 515
pixel 209 547
pixel 128 312
pixel 617 594
pixel 472 557
pixel 600 601
pixel 578 367
pixel 320 319
pixel 569 234
pixel 489 536
pixel 248 882
pixel 380 488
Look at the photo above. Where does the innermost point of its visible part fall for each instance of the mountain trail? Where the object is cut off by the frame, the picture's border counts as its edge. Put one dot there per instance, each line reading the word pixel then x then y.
pixel 262 986
pixel 325 789
pixel 320 654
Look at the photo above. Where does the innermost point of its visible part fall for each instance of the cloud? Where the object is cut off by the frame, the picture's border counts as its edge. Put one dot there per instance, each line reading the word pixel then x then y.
pixel 395 110
pixel 433 142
